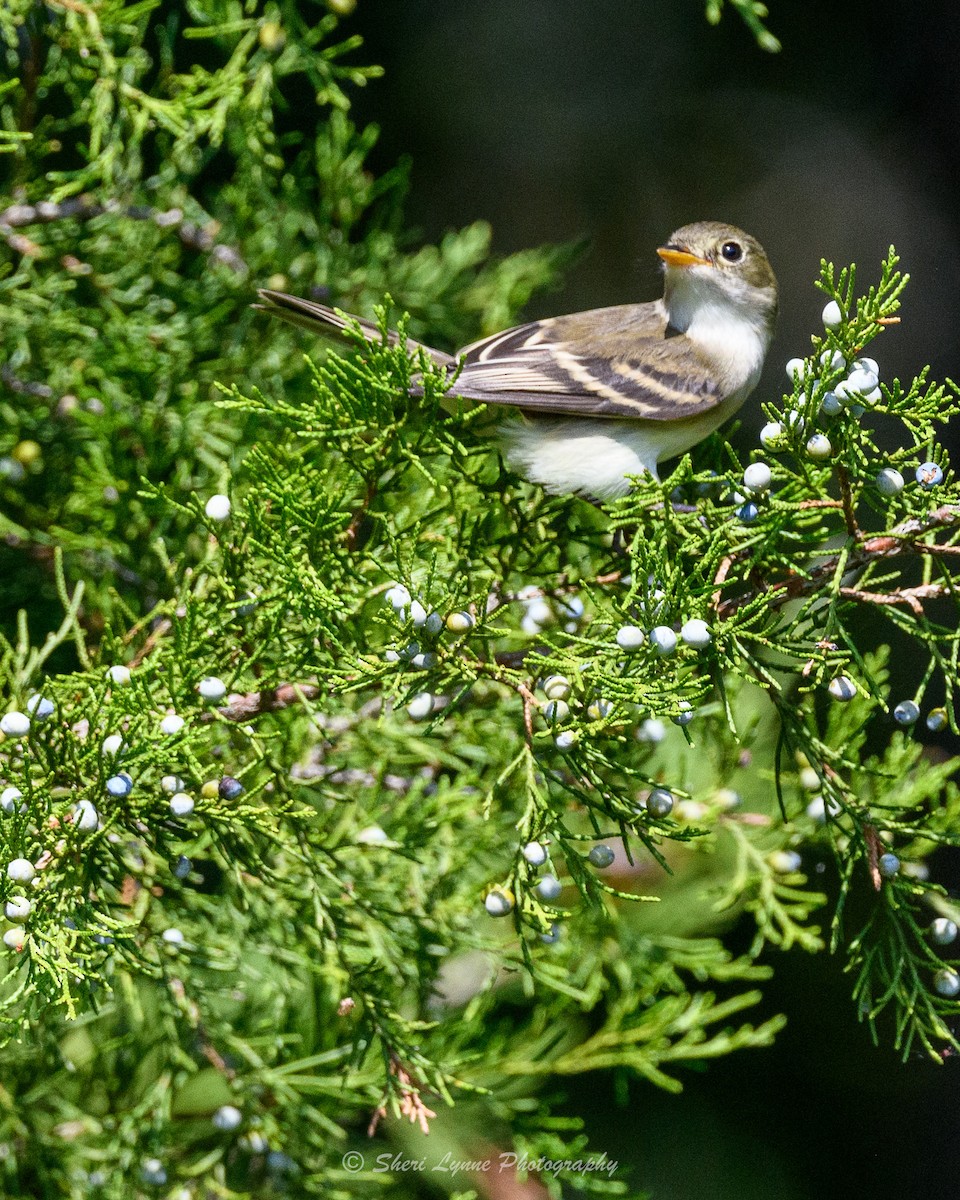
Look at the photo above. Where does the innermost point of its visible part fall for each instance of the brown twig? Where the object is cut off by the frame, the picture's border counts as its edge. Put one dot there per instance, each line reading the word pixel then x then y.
pixel 912 597
pixel 254 704
pixel 805 504
pixel 353 529
pixel 904 540
pixel 192 1010
pixel 872 838
pixel 85 208
pixel 846 496
pixel 529 704
pixel 159 631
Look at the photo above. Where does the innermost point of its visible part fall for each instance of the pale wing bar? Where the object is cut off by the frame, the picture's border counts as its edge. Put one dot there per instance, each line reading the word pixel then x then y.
pixel 541 377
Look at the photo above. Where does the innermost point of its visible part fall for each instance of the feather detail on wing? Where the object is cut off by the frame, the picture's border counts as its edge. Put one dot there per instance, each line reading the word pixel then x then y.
pixel 319 318
pixel 616 362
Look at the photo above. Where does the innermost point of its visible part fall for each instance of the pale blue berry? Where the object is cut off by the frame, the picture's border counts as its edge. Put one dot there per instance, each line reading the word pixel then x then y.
pixel 861 380
pixel 601 857
pixel 651 730
pixel 696 633
pixel 212 688
pixel 556 687
pixel 17 908
pixel 629 637
pixel 842 688
pixel 906 713
pixel 153 1172
pixel 9 798
pixel 819 809
pixel 421 706
pixel 794 420
pixel 21 870
pixel 573 607
pixel 227 1118
pixel 832 314
pixel 830 406
pixel 785 862
pixel 929 475
pixel 555 711
pixel 660 803
pixel 85 816
pixel 663 640
pixel 943 931
pixel 397 596
pixel 40 707
pixel 757 477
pixel 946 983
pixel 889 481
pixel 498 902
pixel 15 938
pixel 229 788
pixel 685 715
pixel 888 865
pixel 937 720
pixel 549 888
pixel 727 798
pixel 15 724
pixel 819 446
pixel 218 507
pixel 796 369
pixel 535 853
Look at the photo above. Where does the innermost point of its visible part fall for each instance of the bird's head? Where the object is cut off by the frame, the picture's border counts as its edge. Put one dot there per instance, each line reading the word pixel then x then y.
pixel 713 270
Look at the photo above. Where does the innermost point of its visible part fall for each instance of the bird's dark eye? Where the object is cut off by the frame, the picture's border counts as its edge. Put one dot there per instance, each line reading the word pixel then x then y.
pixel 732 251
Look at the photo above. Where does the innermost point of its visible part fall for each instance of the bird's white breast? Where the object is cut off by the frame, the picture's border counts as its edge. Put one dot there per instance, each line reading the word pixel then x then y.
pixel 591 457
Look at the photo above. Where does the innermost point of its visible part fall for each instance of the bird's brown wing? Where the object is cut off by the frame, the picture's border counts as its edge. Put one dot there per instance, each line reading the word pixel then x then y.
pixel 610 362
pixel 319 318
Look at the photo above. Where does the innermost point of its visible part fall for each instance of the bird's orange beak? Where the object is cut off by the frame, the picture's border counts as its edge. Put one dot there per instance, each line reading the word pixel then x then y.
pixel 673 256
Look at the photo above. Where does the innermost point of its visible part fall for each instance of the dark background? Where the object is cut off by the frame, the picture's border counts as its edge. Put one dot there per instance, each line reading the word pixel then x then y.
pixel 621 121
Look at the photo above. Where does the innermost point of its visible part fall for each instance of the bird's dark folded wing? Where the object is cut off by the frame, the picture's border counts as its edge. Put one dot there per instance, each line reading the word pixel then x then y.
pixel 319 318
pixel 609 363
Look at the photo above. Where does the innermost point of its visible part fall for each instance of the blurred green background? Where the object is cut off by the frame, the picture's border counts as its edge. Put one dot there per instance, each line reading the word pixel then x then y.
pixel 620 121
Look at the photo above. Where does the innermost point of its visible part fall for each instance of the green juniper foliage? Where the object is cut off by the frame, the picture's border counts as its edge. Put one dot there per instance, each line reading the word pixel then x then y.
pixel 754 14
pixel 351 786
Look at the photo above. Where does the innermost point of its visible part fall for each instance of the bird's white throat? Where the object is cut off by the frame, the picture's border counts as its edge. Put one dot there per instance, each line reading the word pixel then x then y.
pixel 732 325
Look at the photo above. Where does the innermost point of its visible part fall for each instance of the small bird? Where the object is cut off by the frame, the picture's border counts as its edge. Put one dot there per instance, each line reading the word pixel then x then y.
pixel 608 394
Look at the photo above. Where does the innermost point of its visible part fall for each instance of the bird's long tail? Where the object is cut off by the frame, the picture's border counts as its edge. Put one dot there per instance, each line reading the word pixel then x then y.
pixel 318 318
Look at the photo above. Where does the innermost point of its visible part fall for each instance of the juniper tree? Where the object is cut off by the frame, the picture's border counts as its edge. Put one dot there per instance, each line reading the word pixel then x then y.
pixel 352 787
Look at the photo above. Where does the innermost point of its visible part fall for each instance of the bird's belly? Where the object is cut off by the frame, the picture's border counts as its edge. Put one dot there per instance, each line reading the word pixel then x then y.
pixel 594 457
